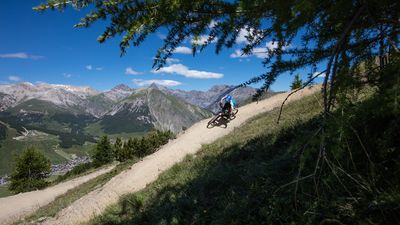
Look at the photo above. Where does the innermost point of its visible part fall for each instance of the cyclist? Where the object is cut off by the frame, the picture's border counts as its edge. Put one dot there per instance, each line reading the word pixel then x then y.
pixel 227 103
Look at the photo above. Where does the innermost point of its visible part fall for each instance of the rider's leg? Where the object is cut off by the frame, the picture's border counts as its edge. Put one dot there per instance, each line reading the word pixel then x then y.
pixel 226 107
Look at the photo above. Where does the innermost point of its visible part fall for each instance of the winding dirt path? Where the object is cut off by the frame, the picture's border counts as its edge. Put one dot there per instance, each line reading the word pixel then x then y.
pixel 147 170
pixel 15 207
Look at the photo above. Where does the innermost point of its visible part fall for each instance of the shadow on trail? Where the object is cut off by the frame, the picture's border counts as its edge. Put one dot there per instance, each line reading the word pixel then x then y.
pixel 221 119
pixel 221 122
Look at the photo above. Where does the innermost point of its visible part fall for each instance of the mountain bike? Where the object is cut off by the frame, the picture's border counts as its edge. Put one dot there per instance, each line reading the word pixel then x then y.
pixel 222 118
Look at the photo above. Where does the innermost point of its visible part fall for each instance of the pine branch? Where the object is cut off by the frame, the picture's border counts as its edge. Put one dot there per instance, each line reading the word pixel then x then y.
pixel 291 93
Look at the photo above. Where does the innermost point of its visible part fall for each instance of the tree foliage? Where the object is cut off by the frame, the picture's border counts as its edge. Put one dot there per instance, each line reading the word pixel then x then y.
pixel 296 83
pixel 103 153
pixel 118 149
pixel 141 147
pixel 338 34
pixel 31 170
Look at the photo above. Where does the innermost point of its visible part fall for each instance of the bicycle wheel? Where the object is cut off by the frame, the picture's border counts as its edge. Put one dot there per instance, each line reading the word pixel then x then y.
pixel 235 111
pixel 211 123
pixel 233 114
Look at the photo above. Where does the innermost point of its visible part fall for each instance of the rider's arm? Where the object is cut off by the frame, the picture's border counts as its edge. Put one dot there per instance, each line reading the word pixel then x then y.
pixel 222 99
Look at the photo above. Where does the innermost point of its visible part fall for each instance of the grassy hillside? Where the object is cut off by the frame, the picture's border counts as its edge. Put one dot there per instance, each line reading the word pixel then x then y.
pixel 221 180
pixel 9 148
pixel 4 192
pixel 48 144
pixel 68 127
pixel 249 177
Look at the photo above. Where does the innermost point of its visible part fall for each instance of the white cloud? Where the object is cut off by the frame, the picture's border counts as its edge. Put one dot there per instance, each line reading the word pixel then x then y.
pixel 320 74
pixel 183 50
pixel 241 38
pixel 173 60
pixel 202 39
pixel 161 35
pixel 212 24
pixel 168 83
pixel 90 67
pixel 184 71
pixel 130 71
pixel 261 52
pixel 14 78
pixel 67 75
pixel 244 33
pixel 40 82
pixel 238 54
pixel 20 55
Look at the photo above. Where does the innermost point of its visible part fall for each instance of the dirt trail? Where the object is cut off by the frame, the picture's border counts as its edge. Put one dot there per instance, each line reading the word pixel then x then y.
pixel 147 170
pixel 15 207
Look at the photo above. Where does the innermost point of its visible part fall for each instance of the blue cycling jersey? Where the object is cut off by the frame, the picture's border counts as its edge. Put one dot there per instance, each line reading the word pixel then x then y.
pixel 229 99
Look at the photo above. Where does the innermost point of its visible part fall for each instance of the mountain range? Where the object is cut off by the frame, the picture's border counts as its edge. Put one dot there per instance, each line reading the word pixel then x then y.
pixel 63 121
pixel 78 114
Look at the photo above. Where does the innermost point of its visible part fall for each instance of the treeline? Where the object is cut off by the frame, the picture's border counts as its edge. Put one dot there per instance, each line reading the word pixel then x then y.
pixel 132 148
pixel 140 147
pixel 3 131
pixel 33 168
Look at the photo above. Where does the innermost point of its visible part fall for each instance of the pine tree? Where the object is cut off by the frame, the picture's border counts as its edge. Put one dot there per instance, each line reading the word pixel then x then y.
pixel 144 147
pixel 103 153
pixel 125 152
pixel 118 150
pixel 135 148
pixel 30 172
pixel 154 140
pixel 296 83
pixel 130 150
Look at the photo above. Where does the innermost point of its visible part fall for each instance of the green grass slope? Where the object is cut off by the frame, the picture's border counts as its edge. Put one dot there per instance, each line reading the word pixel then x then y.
pixel 10 148
pixel 48 144
pixel 249 176
pixel 52 119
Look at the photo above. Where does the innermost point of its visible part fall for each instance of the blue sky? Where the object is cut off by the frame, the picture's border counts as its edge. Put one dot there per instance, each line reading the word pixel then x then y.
pixel 44 47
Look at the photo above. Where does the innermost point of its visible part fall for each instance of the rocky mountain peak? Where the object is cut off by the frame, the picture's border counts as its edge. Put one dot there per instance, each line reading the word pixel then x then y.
pixel 119 92
pixel 153 85
pixel 121 87
pixel 218 88
pixel 160 88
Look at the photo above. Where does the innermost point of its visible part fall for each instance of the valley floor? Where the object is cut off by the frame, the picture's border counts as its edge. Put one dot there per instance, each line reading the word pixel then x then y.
pixel 148 170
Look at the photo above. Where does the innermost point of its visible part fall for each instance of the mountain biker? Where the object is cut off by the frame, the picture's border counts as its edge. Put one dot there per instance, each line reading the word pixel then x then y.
pixel 227 103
